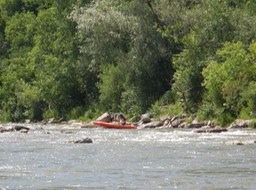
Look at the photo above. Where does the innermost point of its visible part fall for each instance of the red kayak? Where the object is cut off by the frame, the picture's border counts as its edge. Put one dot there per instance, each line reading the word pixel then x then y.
pixel 114 125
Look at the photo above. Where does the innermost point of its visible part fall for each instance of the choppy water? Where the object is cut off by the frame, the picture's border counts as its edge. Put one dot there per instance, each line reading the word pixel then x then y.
pixel 126 159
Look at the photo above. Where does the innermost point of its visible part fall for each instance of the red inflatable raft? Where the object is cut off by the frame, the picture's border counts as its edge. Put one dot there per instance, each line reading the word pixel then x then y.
pixel 114 125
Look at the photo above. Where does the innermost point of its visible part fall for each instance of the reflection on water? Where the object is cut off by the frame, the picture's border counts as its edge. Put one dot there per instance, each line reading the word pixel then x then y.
pixel 126 159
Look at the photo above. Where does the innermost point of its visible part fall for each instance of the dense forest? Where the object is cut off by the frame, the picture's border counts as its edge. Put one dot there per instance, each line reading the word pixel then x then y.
pixel 75 59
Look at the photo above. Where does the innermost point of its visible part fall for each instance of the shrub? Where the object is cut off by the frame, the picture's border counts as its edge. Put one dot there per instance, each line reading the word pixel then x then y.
pixel 76 112
pixel 131 102
pixel 158 109
pixel 50 114
pixel 225 119
pixel 4 116
pixel 252 124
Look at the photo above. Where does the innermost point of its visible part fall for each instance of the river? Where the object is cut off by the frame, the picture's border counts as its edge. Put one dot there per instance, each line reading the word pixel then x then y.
pixel 147 159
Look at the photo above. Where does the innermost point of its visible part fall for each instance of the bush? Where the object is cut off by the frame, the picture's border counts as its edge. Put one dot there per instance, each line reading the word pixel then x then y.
pixel 158 109
pixel 225 119
pixel 208 111
pixel 155 110
pixel 50 114
pixel 245 113
pixel 18 115
pixel 252 124
pixel 130 102
pixel 89 115
pixel 248 101
pixel 76 112
pixel 169 97
pixel 4 116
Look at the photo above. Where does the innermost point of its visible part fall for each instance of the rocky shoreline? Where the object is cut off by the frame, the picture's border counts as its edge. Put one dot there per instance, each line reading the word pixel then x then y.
pixel 169 122
pixel 19 128
pixel 166 122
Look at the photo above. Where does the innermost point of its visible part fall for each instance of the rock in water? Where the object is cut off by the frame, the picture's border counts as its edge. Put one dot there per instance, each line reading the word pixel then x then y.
pixel 2 130
pixel 104 117
pixel 86 140
pixel 19 128
pixel 210 130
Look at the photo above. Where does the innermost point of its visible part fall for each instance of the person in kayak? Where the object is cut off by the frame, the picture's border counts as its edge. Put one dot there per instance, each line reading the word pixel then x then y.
pixel 113 116
pixel 122 119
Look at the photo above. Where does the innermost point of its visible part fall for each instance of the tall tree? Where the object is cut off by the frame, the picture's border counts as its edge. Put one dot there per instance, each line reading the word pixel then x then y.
pixel 18 33
pixel 123 34
pixel 41 59
pixel 54 55
pixel 227 81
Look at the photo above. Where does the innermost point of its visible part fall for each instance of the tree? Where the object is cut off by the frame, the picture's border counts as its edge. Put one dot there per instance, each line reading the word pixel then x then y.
pixel 40 65
pixel 215 24
pixel 18 33
pixel 122 35
pixel 227 81
pixel 54 55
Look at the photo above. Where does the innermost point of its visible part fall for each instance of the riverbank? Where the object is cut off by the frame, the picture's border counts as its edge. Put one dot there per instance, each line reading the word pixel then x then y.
pixel 165 122
pixel 168 122
pixel 72 127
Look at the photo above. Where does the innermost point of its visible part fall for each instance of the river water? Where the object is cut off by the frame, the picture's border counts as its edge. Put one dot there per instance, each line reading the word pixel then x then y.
pixel 148 159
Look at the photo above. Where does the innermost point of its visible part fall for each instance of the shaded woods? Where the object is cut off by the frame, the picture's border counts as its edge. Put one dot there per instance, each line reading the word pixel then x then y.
pixel 75 59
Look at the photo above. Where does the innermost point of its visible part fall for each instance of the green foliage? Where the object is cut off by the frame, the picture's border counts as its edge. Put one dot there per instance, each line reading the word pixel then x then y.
pixel 206 36
pixel 105 31
pixel 130 102
pixel 42 51
pixel 157 109
pixel 224 119
pixel 91 113
pixel 5 116
pixel 168 104
pixel 128 52
pixel 230 82
pixel 209 111
pixel 48 114
pixel 26 94
pixel 248 101
pixel 76 113
pixel 88 116
pixel 252 124
pixel 54 55
pixel 79 58
pixel 19 31
pixel 111 87
pixel 10 7
pixel 29 98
